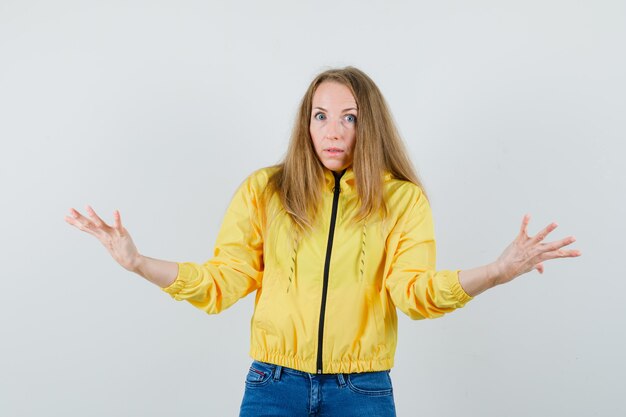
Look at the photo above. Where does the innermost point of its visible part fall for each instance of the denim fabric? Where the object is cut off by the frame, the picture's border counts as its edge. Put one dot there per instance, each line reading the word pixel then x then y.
pixel 276 391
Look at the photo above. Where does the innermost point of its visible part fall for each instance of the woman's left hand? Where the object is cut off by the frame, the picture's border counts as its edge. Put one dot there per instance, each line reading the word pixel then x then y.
pixel 526 253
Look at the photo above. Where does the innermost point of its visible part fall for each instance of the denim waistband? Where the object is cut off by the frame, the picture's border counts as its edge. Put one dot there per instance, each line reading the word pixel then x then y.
pixel 277 370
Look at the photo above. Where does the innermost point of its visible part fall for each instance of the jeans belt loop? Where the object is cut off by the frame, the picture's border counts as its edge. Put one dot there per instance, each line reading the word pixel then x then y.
pixel 341 380
pixel 277 372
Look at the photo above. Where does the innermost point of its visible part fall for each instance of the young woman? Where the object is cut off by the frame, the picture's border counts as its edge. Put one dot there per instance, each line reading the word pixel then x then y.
pixel 333 240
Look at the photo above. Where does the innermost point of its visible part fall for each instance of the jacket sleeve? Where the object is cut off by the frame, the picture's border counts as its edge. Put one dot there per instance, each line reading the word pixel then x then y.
pixel 414 285
pixel 236 268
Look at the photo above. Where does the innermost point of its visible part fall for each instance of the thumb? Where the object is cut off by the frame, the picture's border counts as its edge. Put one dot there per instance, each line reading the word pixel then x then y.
pixel 539 267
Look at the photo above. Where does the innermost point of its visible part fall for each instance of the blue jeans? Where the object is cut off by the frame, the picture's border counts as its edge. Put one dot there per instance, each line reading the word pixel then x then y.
pixel 277 391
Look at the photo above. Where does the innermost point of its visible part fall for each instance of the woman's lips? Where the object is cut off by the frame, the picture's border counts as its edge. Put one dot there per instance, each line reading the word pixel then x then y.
pixel 333 150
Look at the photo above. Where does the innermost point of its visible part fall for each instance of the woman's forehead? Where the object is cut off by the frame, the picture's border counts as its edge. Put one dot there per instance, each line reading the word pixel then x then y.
pixel 332 95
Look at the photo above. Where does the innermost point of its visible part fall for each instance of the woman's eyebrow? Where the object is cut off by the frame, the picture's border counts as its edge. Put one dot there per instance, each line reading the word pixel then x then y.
pixel 344 110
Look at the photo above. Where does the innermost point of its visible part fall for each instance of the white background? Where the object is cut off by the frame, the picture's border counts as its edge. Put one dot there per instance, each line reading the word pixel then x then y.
pixel 161 108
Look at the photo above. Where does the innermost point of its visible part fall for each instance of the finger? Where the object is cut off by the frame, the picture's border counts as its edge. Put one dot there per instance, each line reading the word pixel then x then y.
pixel 552 246
pixel 79 225
pixel 524 227
pixel 79 217
pixel 543 233
pixel 561 253
pixel 539 267
pixel 84 223
pixel 95 218
pixel 117 218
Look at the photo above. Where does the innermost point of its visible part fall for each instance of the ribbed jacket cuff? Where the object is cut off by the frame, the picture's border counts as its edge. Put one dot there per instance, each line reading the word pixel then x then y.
pixel 457 290
pixel 186 274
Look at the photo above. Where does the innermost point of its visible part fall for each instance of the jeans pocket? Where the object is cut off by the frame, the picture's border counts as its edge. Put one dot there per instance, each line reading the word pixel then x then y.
pixel 259 374
pixel 370 383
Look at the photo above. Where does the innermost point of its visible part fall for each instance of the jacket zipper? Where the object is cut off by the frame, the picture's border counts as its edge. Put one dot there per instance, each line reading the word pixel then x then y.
pixel 329 248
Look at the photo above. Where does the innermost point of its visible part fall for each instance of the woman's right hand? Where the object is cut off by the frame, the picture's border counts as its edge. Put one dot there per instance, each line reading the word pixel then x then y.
pixel 115 239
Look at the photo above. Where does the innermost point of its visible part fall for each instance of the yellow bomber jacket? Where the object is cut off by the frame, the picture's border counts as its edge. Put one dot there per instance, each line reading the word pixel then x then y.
pixel 326 301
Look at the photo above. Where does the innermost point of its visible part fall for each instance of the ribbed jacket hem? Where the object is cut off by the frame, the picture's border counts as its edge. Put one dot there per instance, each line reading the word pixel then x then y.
pixel 330 367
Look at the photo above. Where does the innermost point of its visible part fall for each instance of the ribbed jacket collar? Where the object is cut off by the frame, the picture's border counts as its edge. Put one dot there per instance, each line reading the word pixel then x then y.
pixel 348 180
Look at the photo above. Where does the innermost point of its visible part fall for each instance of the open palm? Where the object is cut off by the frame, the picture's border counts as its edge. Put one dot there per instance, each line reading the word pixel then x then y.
pixel 115 239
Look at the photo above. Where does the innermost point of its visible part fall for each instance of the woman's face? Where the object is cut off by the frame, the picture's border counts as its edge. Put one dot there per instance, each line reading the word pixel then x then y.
pixel 333 125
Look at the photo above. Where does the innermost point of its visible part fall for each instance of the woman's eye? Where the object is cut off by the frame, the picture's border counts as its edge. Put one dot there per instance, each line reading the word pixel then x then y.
pixel 351 118
pixel 320 116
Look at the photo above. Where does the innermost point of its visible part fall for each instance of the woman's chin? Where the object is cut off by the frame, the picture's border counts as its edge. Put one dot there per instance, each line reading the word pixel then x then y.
pixel 335 165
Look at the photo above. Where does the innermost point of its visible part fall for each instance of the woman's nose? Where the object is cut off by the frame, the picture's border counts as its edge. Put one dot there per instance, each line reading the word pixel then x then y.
pixel 333 129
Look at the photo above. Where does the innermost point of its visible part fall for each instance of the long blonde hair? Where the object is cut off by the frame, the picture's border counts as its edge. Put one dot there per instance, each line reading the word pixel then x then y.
pixel 378 149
